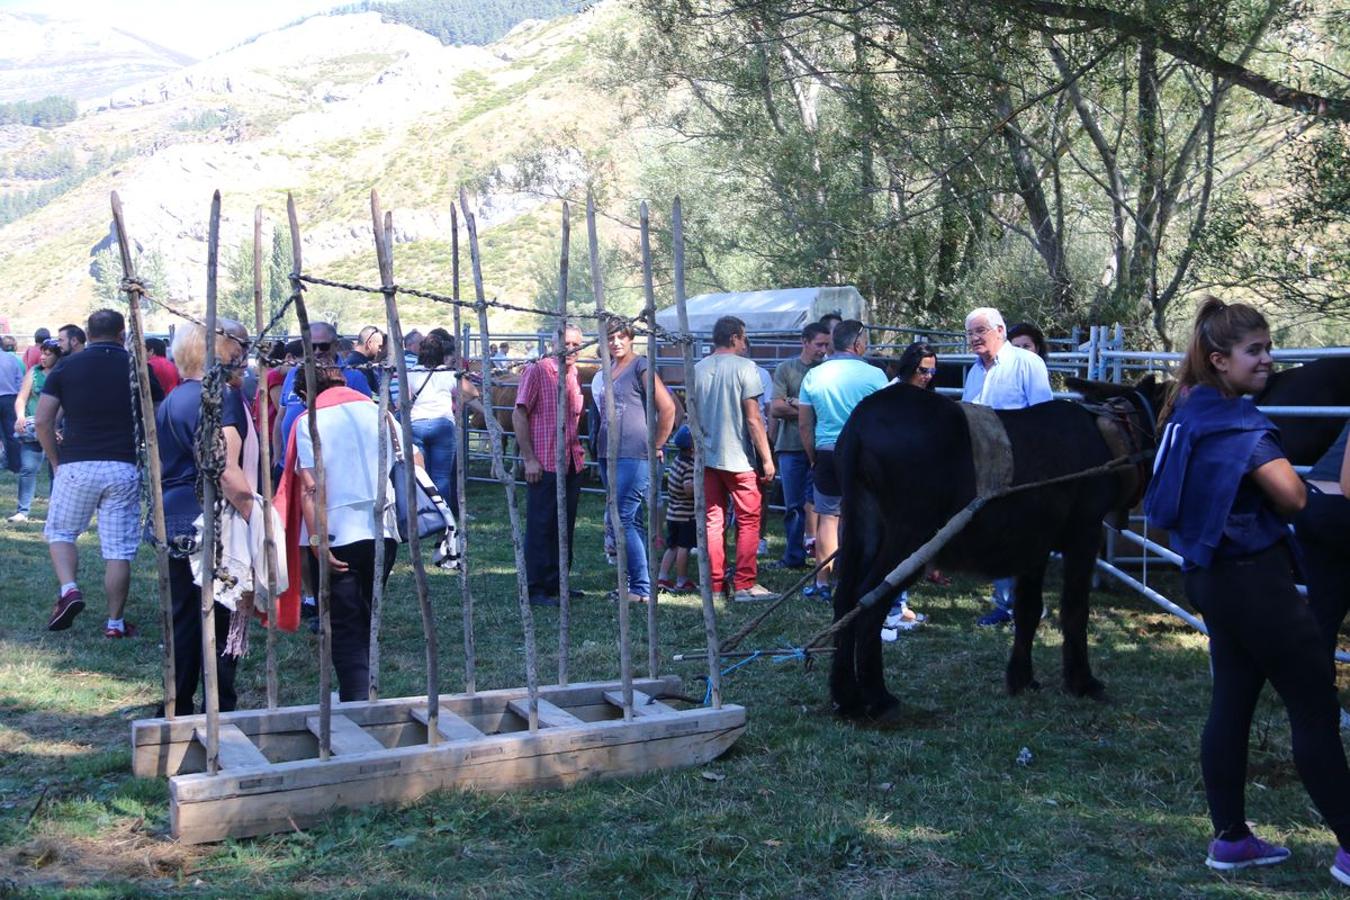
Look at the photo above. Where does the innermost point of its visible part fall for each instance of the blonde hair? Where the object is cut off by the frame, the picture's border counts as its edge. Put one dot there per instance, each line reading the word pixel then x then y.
pixel 189 349
pixel 1218 327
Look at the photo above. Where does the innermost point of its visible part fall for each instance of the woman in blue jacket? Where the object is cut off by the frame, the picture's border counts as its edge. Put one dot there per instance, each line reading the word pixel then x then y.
pixel 1224 490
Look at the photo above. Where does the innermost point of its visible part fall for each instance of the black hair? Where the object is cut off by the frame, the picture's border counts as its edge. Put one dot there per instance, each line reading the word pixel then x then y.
pixel 830 316
pixel 846 333
pixel 727 329
pixel 156 346
pixel 41 335
pixel 447 340
pixel 432 352
pixel 1037 337
pixel 812 331
pixel 74 331
pixel 914 354
pixel 106 323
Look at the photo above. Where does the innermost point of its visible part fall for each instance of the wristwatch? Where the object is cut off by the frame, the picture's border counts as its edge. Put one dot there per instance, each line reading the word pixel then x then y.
pixel 314 540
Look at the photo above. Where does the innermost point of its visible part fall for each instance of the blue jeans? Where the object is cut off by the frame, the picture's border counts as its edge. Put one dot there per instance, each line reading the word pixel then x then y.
pixel 1003 593
pixel 796 474
pixel 629 494
pixel 436 439
pixel 13 454
pixel 30 461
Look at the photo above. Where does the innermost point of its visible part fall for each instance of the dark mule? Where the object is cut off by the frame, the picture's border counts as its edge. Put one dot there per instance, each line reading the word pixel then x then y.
pixel 906 465
pixel 1322 382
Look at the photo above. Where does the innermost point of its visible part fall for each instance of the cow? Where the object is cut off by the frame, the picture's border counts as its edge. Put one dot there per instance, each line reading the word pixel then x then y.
pixel 906 464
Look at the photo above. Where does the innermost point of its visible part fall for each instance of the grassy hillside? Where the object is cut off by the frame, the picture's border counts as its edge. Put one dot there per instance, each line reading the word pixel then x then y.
pixel 327 110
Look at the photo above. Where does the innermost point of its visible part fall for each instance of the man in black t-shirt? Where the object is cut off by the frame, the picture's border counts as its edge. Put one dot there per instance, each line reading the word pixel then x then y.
pixel 94 468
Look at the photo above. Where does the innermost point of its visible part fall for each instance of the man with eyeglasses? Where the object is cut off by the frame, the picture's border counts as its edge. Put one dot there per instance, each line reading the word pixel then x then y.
pixel 1004 377
pixel 324 337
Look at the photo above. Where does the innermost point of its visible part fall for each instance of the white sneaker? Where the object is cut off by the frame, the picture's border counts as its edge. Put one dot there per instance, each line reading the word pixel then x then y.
pixel 889 635
pixel 18 517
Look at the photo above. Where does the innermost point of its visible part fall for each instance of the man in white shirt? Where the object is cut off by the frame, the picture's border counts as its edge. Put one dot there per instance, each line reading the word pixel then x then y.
pixel 1004 377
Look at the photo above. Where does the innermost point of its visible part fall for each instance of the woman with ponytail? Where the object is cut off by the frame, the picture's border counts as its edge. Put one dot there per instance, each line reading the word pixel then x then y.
pixel 1224 490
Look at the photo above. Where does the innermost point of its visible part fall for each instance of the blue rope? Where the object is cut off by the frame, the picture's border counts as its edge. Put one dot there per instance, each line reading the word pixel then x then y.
pixel 792 655
pixel 707 695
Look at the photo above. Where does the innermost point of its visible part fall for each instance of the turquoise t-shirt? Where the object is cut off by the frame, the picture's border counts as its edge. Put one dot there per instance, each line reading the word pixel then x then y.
pixel 833 388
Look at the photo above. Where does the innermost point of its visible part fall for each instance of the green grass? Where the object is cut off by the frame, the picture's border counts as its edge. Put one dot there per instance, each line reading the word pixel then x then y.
pixel 1111 805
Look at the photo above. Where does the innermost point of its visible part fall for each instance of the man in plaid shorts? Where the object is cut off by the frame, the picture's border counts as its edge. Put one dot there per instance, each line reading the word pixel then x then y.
pixel 94 468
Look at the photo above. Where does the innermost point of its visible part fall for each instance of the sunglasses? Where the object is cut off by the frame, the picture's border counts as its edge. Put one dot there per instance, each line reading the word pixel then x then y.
pixel 925 370
pixel 322 346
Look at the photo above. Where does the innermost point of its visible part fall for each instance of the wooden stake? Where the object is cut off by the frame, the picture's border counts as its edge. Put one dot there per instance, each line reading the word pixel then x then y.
pixel 461 473
pixel 377 515
pixel 210 680
pixel 383 226
pixel 560 458
pixel 696 431
pixel 262 402
pixel 612 461
pixel 320 494
pixel 653 464
pixel 152 465
pixel 499 469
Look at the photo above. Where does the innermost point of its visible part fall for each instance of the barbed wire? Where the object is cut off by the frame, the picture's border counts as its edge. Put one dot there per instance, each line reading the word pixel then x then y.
pixel 638 324
pixel 137 286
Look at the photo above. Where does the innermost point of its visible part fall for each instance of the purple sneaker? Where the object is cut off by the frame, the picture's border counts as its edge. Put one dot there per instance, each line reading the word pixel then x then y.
pixel 1249 851
pixel 1340 870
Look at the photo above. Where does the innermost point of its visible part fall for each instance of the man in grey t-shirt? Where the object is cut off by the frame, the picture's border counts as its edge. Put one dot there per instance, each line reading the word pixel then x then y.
pixel 726 393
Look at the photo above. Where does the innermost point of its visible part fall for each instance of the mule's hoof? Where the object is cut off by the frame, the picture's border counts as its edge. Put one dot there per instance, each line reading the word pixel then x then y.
pixel 849 712
pixel 1088 687
pixel 884 715
pixel 1017 682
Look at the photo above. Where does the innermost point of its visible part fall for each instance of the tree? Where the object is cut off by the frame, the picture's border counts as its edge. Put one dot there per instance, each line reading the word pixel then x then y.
pixel 902 145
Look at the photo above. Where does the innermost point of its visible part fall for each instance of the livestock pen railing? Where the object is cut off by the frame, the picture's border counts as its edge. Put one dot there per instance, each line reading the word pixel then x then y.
pixel 1114 363
pixel 1129 556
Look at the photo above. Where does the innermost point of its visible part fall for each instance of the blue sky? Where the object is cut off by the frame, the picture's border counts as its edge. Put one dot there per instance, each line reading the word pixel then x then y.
pixel 195 27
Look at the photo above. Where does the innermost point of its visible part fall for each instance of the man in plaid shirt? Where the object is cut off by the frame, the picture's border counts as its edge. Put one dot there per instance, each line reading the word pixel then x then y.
pixel 535 420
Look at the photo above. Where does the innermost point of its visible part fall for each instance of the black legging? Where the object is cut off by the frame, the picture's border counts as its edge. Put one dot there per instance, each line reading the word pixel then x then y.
pixel 187 643
pixel 1261 630
pixel 350 594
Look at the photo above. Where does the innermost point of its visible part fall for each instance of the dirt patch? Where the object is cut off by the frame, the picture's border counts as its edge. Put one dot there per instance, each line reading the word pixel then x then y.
pixel 122 852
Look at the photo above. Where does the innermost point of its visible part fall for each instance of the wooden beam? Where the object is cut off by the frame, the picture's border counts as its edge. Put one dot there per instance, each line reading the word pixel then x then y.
pixel 236 751
pixel 550 714
pixel 347 737
pixel 451 726
pixel 285 795
pixel 642 704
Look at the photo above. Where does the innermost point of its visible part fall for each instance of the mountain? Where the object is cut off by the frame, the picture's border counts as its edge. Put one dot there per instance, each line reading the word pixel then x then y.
pixel 42 55
pixel 328 109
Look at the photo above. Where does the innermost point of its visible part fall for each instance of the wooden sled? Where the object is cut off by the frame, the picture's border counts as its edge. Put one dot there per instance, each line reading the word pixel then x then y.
pixel 271 779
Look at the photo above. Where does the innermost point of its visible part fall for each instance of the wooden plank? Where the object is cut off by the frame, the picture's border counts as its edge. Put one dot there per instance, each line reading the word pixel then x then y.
pixel 236 750
pixel 693 725
pixel 203 808
pixel 387 711
pixel 347 738
pixel 550 714
pixel 451 726
pixel 642 704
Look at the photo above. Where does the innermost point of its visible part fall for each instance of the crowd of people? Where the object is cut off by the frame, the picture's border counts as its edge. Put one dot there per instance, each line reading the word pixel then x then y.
pixel 1222 488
